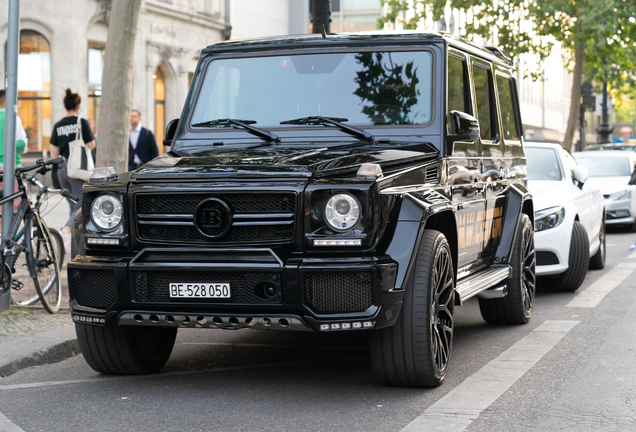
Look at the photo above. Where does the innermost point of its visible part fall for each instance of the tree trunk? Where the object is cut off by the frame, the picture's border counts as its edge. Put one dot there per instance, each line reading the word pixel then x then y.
pixel 114 123
pixel 579 59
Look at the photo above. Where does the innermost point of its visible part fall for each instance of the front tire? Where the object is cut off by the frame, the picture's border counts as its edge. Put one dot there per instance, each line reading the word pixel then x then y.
pixel 597 262
pixel 415 352
pixel 516 306
pixel 578 263
pixel 125 350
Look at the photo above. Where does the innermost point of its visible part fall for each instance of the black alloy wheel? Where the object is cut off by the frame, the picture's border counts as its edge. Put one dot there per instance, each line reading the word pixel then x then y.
pixel 516 306
pixel 415 352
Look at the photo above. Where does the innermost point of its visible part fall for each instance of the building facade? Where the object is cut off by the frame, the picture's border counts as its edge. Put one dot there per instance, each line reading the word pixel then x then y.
pixel 62 45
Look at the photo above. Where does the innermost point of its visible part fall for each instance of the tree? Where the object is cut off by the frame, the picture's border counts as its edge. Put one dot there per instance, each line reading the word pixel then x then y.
pixel 117 85
pixel 589 31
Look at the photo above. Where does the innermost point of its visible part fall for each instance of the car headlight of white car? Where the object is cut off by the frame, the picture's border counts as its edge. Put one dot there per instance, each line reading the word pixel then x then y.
pixel 548 218
pixel 621 195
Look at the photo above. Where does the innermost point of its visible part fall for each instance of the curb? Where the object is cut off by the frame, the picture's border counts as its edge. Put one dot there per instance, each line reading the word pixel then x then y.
pixel 53 354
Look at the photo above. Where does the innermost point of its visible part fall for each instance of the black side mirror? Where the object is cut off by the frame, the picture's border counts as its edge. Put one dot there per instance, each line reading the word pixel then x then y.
pixel 466 127
pixel 171 129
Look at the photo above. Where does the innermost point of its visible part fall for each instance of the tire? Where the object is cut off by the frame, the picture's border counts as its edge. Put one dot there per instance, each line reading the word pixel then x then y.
pixel 58 247
pixel 43 261
pixel 578 263
pixel 516 306
pixel 597 262
pixel 415 351
pixel 125 350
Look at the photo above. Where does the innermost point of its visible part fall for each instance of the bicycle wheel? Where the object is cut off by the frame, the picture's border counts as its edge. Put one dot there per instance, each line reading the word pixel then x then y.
pixel 43 263
pixel 24 292
pixel 58 247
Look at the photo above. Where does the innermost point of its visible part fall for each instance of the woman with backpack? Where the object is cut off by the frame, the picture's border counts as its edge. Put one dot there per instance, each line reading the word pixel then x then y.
pixel 64 132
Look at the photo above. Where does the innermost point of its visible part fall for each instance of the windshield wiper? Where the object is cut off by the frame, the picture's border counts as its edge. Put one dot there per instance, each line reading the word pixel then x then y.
pixel 245 124
pixel 336 121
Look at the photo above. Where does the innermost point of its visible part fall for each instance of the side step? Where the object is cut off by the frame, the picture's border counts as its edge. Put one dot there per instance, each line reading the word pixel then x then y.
pixel 481 281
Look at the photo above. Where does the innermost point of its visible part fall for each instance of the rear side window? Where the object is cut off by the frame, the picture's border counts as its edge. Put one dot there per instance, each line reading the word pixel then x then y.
pixel 508 114
pixel 483 97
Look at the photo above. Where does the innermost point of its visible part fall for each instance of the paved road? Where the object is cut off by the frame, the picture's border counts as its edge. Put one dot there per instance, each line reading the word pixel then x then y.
pixel 571 368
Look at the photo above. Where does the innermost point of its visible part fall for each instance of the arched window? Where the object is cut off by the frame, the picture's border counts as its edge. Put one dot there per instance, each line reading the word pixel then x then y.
pixel 34 88
pixel 160 108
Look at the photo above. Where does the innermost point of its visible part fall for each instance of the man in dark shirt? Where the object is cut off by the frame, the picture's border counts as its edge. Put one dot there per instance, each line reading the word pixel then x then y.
pixel 142 146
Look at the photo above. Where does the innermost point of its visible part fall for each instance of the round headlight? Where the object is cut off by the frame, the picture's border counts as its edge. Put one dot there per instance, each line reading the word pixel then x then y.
pixel 107 212
pixel 342 212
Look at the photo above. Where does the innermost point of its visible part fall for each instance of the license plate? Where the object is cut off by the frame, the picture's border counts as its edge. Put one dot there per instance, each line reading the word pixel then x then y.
pixel 220 290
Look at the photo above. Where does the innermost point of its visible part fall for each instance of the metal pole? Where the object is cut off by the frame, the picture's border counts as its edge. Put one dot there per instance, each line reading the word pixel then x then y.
pixel 320 16
pixel 582 130
pixel 13 42
pixel 604 130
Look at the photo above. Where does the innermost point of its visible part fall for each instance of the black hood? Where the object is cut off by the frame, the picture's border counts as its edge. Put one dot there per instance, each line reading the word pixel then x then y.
pixel 283 161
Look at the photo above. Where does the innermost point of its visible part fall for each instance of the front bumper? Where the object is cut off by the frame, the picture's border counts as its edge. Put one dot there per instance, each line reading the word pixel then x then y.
pixel 619 212
pixel 322 294
pixel 552 247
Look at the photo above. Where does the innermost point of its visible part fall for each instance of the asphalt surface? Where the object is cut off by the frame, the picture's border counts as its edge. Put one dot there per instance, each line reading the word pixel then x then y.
pixel 276 381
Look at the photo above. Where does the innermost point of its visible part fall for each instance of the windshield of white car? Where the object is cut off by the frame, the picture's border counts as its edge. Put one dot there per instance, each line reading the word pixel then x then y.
pixel 542 164
pixel 367 88
pixel 603 166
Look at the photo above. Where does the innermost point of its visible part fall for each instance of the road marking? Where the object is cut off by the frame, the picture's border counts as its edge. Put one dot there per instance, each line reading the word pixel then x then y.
pixel 632 255
pixel 102 379
pixel 592 295
pixel 253 345
pixel 7 425
pixel 462 405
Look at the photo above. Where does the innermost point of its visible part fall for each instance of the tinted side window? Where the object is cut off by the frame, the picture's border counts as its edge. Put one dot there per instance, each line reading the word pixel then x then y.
pixel 457 74
pixel 506 106
pixel 483 92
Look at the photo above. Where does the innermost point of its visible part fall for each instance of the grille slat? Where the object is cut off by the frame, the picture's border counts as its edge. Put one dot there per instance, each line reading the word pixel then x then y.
pixel 339 292
pixel 153 286
pixel 203 256
pixel 275 208
pixel 93 288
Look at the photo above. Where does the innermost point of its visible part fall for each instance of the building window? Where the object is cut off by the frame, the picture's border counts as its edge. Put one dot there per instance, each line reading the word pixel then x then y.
pixel 160 108
pixel 95 69
pixel 34 88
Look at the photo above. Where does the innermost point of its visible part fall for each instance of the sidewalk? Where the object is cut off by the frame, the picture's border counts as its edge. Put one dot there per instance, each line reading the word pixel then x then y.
pixel 31 336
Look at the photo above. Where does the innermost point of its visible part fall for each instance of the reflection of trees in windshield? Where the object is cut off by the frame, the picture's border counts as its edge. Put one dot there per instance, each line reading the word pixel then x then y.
pixel 391 89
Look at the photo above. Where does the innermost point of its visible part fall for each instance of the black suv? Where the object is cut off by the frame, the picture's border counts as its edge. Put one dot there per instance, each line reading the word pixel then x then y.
pixel 348 183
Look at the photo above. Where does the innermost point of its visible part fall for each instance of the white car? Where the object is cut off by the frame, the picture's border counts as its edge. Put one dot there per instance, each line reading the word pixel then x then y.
pixel 569 217
pixel 611 172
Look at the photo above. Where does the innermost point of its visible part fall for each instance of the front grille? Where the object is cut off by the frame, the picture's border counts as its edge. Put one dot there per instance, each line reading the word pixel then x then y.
pixel 240 203
pixel 93 288
pixel 257 217
pixel 339 292
pixel 153 286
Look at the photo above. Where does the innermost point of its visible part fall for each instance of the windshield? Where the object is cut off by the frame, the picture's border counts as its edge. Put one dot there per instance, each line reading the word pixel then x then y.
pixel 606 166
pixel 542 164
pixel 368 88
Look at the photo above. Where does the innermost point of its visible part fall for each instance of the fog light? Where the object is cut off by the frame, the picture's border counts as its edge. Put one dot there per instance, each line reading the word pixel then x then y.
pixel 357 325
pixel 325 326
pixel 346 326
pixel 367 324
pixel 103 241
pixel 335 326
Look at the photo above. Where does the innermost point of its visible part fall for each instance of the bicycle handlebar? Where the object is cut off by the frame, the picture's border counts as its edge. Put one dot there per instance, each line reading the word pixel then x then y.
pixel 65 193
pixel 39 164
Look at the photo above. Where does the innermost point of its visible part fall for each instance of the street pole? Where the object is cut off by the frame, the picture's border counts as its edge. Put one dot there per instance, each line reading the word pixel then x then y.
pixel 582 130
pixel 13 42
pixel 320 16
pixel 604 130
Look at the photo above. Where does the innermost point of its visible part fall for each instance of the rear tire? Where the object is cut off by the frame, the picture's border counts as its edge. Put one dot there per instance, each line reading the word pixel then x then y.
pixel 597 262
pixel 516 306
pixel 578 263
pixel 125 350
pixel 415 351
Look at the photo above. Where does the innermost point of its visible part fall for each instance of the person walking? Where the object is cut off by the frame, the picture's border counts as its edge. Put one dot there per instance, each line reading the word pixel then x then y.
pixel 63 133
pixel 142 146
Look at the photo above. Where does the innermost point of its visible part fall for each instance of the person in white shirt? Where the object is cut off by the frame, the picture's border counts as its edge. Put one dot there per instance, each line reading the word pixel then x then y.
pixel 142 146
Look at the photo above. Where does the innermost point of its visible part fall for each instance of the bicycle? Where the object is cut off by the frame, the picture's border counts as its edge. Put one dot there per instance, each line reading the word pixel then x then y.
pixel 32 258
